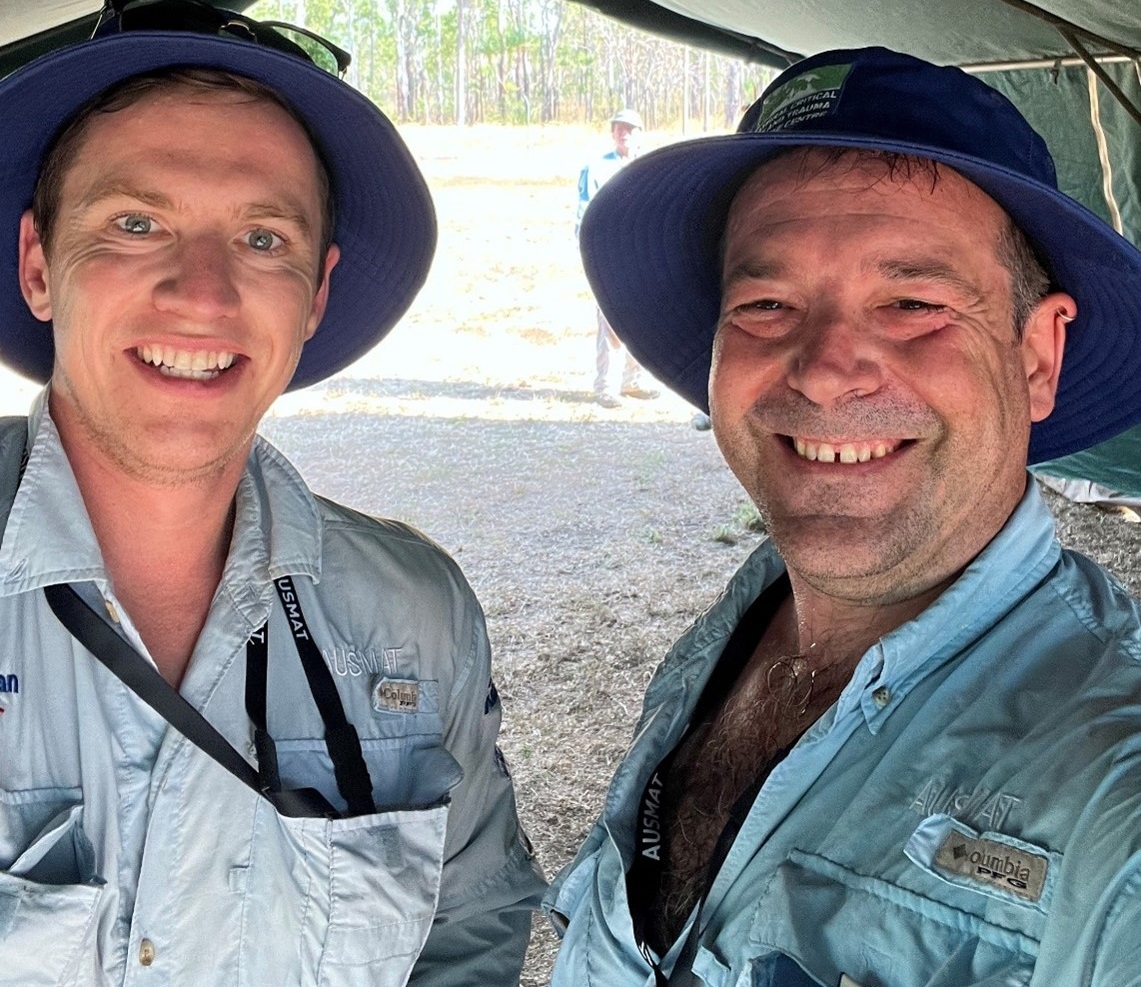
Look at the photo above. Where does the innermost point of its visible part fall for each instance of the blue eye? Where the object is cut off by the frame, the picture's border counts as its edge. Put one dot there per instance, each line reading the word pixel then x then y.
pixel 263 240
pixel 135 223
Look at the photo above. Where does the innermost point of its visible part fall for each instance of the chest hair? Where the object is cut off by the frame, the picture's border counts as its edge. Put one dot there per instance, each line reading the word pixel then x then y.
pixel 713 768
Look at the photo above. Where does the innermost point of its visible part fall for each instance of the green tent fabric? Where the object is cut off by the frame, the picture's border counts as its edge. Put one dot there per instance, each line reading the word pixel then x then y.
pixel 1052 104
pixel 1114 464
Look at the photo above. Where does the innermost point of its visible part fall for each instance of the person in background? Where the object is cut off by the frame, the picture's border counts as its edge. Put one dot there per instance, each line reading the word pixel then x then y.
pixel 903 747
pixel 251 735
pixel 617 373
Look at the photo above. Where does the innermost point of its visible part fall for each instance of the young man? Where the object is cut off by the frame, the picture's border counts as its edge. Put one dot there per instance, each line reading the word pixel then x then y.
pixel 196 784
pixel 902 748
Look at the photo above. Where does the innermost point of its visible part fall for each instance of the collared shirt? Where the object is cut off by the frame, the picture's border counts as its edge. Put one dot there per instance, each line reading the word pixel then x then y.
pixel 128 856
pixel 593 177
pixel 967 813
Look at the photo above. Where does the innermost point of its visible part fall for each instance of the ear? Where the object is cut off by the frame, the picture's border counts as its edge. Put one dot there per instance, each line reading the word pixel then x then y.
pixel 321 297
pixel 34 270
pixel 1043 339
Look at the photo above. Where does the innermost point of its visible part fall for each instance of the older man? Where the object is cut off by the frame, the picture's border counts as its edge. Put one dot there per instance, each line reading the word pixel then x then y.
pixel 617 373
pixel 904 747
pixel 252 738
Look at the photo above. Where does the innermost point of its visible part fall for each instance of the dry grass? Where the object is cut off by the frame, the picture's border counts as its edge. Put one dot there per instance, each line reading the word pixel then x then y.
pixel 592 537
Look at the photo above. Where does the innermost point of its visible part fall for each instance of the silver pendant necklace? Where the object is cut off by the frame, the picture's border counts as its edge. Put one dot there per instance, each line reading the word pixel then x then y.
pixel 789 686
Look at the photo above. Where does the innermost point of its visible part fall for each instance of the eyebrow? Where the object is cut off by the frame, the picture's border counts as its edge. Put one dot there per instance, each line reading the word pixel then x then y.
pixel 751 270
pixel 117 188
pixel 932 271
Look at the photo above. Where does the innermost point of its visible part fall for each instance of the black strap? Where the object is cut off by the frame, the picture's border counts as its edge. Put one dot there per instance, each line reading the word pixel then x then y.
pixel 257 684
pixel 142 678
pixel 643 879
pixel 341 739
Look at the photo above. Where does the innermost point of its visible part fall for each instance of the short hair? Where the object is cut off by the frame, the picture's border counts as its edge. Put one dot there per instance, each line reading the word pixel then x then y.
pixel 1029 282
pixel 61 153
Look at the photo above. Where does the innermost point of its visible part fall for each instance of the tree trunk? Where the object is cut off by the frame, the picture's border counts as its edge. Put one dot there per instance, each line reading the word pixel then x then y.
pixel 461 81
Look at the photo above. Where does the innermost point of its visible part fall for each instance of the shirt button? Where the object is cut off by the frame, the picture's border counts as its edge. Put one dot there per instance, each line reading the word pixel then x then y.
pixel 146 952
pixel 111 611
pixel 882 696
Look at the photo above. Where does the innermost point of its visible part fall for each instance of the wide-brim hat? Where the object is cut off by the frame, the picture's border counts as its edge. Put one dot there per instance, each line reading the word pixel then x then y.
pixel 385 221
pixel 651 237
pixel 630 117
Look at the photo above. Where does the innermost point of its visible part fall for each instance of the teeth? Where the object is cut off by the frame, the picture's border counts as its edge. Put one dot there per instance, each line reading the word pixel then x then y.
pixel 187 364
pixel 846 452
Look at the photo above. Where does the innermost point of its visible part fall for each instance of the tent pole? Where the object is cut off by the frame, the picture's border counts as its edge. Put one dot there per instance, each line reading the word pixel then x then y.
pixel 1043 63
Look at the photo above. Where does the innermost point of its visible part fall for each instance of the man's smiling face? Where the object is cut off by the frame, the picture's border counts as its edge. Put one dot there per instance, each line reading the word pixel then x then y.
pixel 869 388
pixel 182 279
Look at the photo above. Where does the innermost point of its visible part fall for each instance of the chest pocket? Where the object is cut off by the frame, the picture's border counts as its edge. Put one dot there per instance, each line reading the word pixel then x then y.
pixel 833 921
pixel 357 896
pixel 48 889
pixel 363 890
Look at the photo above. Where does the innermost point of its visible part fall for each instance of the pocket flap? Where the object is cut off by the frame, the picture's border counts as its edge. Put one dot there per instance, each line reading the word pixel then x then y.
pixel 993 864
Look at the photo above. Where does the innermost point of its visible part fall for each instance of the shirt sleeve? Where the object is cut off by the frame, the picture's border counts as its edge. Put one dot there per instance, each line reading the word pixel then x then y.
pixel 491 883
pixel 585 192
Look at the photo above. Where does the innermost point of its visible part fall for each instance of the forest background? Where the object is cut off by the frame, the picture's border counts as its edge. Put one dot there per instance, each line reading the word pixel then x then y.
pixel 522 62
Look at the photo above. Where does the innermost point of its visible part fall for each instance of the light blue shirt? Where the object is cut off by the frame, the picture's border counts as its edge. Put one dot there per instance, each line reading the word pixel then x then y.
pixel 967 813
pixel 593 177
pixel 128 856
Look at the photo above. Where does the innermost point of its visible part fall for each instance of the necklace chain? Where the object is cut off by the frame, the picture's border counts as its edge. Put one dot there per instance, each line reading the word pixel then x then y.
pixel 788 685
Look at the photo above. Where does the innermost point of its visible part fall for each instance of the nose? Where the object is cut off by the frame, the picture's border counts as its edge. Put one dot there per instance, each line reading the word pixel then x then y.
pixel 200 283
pixel 832 360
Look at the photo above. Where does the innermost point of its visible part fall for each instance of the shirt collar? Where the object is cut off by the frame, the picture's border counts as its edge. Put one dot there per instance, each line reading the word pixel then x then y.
pixel 1017 559
pixel 1020 556
pixel 49 539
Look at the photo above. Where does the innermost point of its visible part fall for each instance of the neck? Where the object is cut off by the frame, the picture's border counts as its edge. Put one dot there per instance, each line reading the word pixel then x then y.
pixel 825 629
pixel 164 547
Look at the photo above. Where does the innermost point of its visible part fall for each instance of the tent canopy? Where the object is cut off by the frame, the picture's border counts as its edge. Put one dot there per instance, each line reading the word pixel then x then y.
pixel 1037 53
pixel 966 32
pixel 28 28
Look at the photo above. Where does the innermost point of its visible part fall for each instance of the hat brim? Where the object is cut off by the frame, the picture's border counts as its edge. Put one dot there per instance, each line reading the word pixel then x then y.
pixel 385 221
pixel 651 249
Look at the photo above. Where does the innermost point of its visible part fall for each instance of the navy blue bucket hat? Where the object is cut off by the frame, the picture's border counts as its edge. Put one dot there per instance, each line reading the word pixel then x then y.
pixel 385 221
pixel 651 238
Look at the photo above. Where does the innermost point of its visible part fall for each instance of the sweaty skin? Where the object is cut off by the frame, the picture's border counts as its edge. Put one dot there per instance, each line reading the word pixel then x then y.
pixel 868 317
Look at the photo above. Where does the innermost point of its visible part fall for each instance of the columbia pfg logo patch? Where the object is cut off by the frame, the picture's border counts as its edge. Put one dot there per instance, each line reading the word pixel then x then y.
pixel 396 696
pixel 995 864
